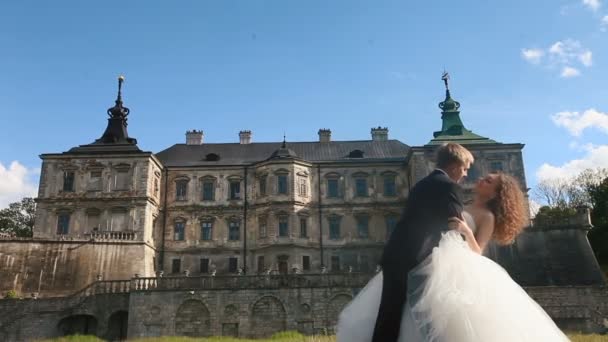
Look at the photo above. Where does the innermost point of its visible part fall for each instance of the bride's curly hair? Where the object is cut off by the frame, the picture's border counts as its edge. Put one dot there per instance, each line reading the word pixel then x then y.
pixel 509 209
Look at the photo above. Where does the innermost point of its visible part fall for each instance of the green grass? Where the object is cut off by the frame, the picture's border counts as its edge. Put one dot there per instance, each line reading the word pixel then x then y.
pixel 287 336
pixel 75 338
pixel 588 338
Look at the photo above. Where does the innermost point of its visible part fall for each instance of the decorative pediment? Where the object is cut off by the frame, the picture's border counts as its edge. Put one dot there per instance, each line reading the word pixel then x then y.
pixel 360 175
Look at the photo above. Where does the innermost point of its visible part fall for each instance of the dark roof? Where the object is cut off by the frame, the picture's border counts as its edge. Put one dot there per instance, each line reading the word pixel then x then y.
pixel 239 154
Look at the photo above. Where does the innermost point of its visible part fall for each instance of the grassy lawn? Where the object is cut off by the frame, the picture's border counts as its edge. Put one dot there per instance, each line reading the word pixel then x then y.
pixel 280 337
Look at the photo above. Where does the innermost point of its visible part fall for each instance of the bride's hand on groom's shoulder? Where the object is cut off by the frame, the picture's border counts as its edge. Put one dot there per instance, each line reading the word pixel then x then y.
pixel 460 226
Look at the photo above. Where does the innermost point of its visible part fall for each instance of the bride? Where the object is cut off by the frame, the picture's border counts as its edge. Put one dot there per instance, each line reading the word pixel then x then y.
pixel 456 294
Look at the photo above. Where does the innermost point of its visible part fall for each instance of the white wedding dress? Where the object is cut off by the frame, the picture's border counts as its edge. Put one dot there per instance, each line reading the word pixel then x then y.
pixel 454 295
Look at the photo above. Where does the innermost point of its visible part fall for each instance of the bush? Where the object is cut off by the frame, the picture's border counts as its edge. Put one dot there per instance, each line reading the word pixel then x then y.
pixel 11 294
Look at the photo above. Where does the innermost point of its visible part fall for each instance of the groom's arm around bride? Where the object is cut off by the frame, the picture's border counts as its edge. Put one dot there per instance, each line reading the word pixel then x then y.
pixel 430 203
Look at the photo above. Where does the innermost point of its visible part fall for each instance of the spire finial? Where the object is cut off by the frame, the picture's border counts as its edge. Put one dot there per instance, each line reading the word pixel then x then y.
pixel 446 77
pixel 121 79
pixel 118 111
pixel 448 105
pixel 284 141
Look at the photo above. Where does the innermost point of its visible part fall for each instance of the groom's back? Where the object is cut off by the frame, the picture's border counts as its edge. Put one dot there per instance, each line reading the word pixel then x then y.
pixel 425 216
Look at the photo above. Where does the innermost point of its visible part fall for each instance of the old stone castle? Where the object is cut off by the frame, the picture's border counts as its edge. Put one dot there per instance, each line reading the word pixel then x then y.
pixel 247 238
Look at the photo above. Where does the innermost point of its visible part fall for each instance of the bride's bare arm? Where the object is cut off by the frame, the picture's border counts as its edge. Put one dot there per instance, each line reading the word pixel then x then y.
pixel 484 231
pixel 477 242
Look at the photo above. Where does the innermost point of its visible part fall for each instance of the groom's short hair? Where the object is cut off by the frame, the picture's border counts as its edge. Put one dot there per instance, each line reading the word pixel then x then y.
pixel 452 153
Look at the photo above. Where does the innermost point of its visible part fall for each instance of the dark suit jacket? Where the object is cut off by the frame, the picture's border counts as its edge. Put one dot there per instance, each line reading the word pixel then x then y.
pixel 430 203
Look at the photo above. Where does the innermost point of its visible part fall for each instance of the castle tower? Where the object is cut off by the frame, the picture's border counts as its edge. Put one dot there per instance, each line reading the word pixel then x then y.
pixel 106 194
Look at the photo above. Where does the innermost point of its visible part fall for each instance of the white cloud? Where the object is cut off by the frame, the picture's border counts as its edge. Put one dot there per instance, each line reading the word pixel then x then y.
pixel 596 157
pixel 576 122
pixel 586 58
pixel 15 183
pixel 604 24
pixel 534 207
pixel 593 5
pixel 568 72
pixel 532 55
pixel 567 55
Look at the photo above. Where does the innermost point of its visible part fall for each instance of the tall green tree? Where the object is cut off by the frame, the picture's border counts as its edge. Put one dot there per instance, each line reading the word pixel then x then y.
pixel 18 218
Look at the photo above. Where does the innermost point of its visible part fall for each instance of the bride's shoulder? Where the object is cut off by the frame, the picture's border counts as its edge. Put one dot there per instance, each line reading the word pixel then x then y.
pixel 482 216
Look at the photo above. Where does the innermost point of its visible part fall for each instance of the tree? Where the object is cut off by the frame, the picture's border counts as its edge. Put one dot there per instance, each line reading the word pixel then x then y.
pixel 562 196
pixel 18 218
pixel 598 236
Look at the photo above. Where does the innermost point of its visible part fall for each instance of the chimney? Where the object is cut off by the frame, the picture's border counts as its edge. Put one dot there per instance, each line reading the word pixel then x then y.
pixel 380 134
pixel 194 137
pixel 324 135
pixel 245 137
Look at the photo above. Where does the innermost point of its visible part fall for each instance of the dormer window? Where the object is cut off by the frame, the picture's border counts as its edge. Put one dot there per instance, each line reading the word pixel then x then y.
pixel 355 154
pixel 212 157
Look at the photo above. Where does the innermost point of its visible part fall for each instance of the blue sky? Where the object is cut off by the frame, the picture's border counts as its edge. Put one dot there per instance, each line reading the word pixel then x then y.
pixel 524 71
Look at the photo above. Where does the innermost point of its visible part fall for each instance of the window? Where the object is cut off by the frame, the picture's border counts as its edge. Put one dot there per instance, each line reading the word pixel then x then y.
pixel 389 185
pixel 63 224
pixel 235 190
pixel 208 190
pixel 121 180
pixel 176 265
pixel 363 227
pixel 303 228
pixel 68 181
pixel 263 185
pixel 204 265
pixel 181 190
pixel 118 220
pixel 261 266
pixel 262 227
pixel 364 263
pixel 473 173
pixel 303 186
pixel 232 265
pixel 283 226
pixel 95 181
pixel 212 157
pixel 282 184
pixel 93 220
pixel 306 263
pixel 335 263
pixel 179 233
pixel 361 187
pixel 496 166
pixel 234 231
pixel 206 230
pixel 391 223
pixel 355 154
pixel 334 228
pixel 332 188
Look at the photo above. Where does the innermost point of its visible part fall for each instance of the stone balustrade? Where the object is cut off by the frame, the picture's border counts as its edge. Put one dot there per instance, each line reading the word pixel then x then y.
pixel 112 235
pixel 251 282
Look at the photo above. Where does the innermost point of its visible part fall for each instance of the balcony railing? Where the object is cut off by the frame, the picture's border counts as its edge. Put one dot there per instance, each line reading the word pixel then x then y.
pixel 251 282
pixel 112 235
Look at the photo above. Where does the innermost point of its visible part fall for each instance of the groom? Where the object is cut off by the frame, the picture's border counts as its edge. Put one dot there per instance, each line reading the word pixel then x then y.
pixel 430 203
